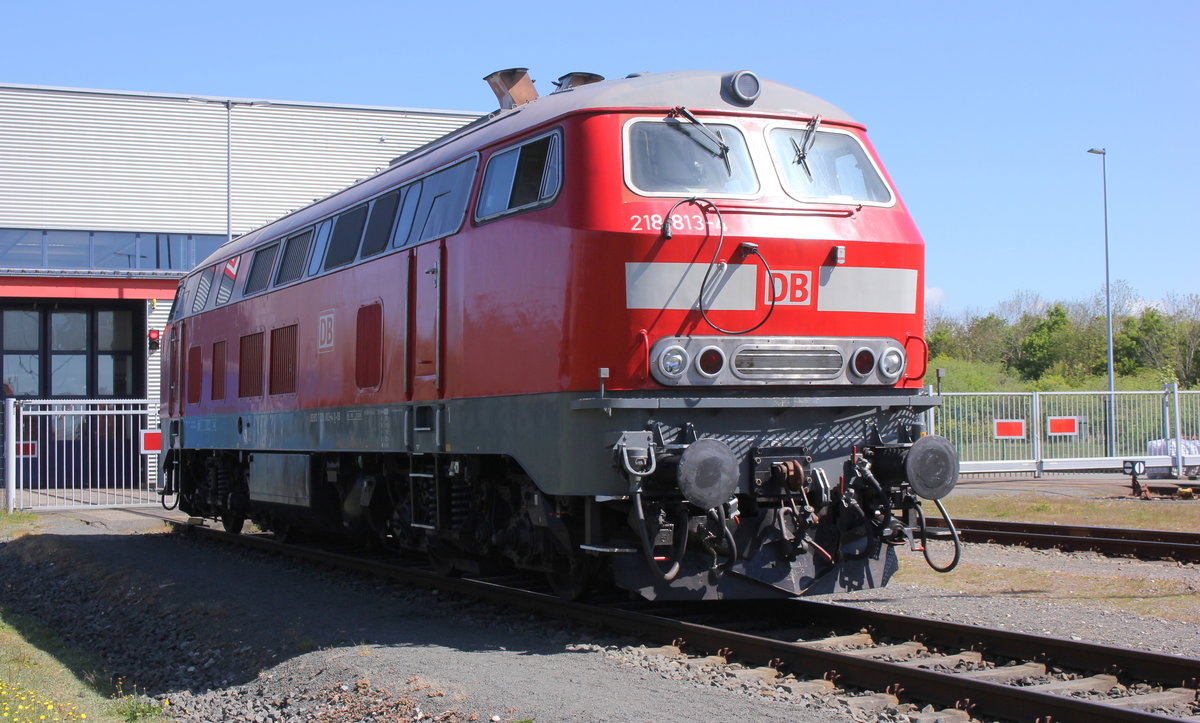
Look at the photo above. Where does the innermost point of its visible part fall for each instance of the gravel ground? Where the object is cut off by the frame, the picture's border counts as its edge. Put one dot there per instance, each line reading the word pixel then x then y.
pixel 226 634
pixel 1058 618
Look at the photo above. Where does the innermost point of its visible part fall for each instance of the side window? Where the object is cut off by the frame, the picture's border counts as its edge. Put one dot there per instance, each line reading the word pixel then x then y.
pixel 319 244
pixel 520 178
pixel 295 253
pixel 347 233
pixel 443 201
pixel 379 227
pixel 202 288
pixel 229 274
pixel 408 212
pixel 260 269
pixel 177 305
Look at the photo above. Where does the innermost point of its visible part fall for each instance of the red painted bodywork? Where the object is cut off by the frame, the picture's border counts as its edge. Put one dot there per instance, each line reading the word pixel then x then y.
pixel 536 302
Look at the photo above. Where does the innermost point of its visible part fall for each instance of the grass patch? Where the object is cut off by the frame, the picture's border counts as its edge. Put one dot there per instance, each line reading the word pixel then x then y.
pixel 36 677
pixel 16 524
pixel 1035 507
pixel 1161 598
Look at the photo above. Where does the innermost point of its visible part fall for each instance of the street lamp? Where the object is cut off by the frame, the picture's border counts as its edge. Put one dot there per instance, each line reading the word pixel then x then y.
pixel 1107 299
pixel 229 103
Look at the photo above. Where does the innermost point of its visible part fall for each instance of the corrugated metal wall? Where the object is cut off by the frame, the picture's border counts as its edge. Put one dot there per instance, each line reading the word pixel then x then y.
pixel 108 161
pixel 157 311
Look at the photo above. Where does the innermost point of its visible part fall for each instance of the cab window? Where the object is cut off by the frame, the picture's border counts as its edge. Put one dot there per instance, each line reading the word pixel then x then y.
pixel 674 157
pixel 826 166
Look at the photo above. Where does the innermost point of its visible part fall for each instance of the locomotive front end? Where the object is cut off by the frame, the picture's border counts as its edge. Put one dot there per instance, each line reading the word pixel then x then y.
pixel 770 417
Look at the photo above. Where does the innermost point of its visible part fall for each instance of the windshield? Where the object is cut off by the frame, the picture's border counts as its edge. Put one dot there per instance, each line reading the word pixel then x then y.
pixel 676 156
pixel 826 166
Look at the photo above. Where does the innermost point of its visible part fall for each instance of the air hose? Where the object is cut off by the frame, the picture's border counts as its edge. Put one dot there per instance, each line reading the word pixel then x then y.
pixel 925 539
pixel 748 248
pixel 648 550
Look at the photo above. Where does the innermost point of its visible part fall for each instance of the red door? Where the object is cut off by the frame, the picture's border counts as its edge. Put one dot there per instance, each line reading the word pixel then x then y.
pixel 426 290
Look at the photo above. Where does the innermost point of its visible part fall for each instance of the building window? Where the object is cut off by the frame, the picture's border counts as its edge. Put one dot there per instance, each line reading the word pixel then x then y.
pixel 68 353
pixel 115 353
pixel 78 351
pixel 104 250
pixel 22 352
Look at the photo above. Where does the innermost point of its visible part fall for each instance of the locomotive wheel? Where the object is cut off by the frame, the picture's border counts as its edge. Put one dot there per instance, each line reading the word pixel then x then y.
pixel 233 523
pixel 282 533
pixel 572 578
pixel 441 557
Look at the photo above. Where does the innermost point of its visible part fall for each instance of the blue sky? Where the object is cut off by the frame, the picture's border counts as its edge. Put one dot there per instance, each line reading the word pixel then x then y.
pixel 981 111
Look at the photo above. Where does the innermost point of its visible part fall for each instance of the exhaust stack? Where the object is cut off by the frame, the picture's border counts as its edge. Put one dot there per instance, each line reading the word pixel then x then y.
pixel 513 87
pixel 576 79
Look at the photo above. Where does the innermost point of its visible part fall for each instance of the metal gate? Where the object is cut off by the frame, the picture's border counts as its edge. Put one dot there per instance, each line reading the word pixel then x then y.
pixel 61 454
pixel 1068 431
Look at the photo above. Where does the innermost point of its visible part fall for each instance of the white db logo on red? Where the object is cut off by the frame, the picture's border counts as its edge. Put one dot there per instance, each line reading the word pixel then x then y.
pixel 790 287
pixel 325 331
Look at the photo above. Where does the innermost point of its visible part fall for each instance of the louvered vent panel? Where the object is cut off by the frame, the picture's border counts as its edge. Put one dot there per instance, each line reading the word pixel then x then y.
pixel 250 366
pixel 283 360
pixel 260 269
pixel 295 253
pixel 368 364
pixel 218 370
pixel 195 375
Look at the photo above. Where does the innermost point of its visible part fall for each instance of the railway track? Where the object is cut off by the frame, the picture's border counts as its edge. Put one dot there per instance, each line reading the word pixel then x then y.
pixel 822 648
pixel 1145 544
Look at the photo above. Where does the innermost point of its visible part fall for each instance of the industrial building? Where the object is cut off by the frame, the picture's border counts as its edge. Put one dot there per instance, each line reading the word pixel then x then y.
pixel 108 197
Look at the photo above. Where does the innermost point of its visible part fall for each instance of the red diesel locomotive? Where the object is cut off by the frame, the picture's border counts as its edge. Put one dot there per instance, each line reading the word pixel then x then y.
pixel 662 332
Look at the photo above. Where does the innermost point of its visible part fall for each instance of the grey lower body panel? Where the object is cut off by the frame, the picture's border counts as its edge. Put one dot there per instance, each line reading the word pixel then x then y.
pixel 564 441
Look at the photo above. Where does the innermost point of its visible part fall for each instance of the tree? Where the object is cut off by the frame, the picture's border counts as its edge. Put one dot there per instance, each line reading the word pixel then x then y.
pixel 1044 345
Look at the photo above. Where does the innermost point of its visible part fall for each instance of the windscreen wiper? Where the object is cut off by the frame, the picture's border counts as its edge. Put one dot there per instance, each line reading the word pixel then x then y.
pixel 806 144
pixel 722 146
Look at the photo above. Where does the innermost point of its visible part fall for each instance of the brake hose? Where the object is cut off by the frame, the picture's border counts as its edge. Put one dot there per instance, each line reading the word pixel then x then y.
pixel 925 540
pixel 748 248
pixel 648 550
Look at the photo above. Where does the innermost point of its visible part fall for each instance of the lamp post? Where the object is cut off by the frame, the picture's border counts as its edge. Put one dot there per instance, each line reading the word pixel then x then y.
pixel 229 103
pixel 1103 153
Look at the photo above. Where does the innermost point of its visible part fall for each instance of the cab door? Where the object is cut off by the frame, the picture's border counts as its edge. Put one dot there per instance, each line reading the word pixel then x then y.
pixel 427 294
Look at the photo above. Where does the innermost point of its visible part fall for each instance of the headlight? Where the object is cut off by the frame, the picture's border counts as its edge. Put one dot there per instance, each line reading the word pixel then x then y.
pixel 891 363
pixel 673 362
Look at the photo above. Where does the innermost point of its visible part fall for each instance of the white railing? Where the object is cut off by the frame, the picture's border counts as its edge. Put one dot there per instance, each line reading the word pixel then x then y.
pixel 67 453
pixel 1072 431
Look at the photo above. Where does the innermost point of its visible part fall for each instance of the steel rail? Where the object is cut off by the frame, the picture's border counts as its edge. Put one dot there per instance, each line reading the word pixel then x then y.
pixel 1148 544
pixel 978 696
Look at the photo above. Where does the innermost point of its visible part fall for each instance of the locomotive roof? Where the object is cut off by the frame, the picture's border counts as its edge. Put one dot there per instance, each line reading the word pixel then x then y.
pixel 698 90
pixel 693 89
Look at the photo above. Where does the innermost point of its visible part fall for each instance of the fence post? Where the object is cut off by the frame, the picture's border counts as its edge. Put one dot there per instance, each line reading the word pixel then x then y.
pixel 1178 433
pixel 1036 412
pixel 930 417
pixel 10 453
pixel 1166 411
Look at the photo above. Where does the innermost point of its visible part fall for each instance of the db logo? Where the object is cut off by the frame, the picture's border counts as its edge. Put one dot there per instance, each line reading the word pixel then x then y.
pixel 790 287
pixel 325 331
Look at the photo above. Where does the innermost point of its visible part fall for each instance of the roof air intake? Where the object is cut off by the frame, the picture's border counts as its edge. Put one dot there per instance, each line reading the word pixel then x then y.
pixel 576 79
pixel 513 87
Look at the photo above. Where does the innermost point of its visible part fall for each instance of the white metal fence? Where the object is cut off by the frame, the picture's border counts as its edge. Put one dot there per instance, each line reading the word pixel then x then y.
pixel 1067 431
pixel 60 454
